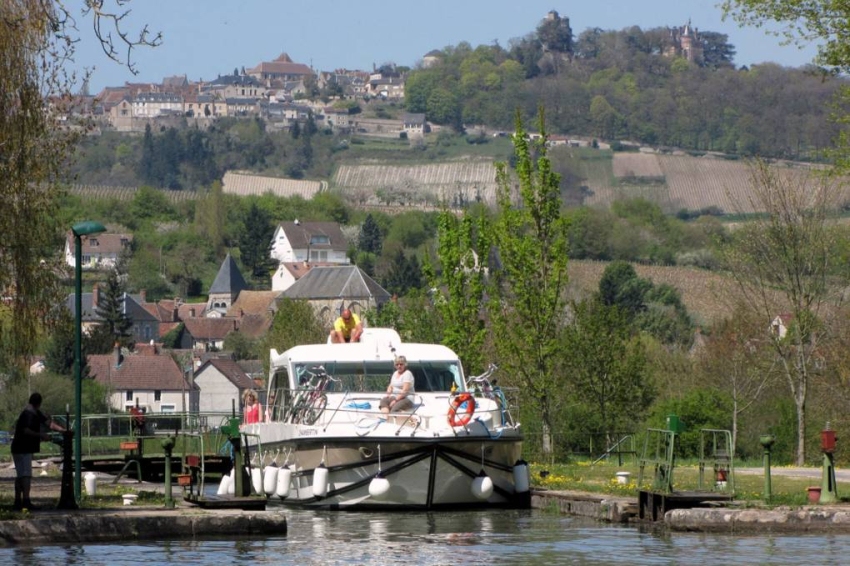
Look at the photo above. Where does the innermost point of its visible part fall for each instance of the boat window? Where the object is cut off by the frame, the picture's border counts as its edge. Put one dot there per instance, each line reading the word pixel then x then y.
pixel 374 376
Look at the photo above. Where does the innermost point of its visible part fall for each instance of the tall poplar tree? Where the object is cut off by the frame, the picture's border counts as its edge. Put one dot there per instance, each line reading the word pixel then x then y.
pixel 527 307
pixel 463 247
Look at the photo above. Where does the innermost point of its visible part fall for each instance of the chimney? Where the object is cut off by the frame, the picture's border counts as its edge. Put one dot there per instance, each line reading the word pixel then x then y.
pixel 192 313
pixel 144 295
pixel 118 357
pixel 95 292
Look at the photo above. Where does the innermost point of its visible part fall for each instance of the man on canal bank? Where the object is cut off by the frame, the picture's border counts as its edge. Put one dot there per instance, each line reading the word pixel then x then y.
pixel 27 441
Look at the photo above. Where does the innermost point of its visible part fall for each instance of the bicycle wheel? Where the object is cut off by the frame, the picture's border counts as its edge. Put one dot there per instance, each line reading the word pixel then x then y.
pixel 315 409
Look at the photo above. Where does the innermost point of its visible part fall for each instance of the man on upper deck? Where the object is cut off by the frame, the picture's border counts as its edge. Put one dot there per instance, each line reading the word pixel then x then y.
pixel 347 328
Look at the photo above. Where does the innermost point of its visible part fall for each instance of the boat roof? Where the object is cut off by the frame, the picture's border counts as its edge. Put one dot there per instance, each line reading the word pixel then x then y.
pixel 377 344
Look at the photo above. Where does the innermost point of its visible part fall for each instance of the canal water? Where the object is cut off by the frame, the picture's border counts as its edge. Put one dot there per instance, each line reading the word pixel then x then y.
pixel 485 537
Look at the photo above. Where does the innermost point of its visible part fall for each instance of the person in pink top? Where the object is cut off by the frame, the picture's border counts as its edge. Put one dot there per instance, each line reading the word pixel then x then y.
pixel 252 412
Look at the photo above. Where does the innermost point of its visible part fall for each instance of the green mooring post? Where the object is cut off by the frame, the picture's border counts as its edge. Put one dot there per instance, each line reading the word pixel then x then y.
pixel 168 446
pixel 767 441
pixel 828 492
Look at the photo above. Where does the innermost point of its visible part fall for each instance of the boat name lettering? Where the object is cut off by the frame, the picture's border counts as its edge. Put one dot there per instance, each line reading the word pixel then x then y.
pixel 308 431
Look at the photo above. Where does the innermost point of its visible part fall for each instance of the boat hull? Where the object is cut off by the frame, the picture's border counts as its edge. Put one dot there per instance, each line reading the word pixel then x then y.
pixel 420 472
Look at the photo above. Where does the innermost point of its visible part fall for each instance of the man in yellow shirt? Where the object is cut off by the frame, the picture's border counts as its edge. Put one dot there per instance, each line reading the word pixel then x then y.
pixel 347 328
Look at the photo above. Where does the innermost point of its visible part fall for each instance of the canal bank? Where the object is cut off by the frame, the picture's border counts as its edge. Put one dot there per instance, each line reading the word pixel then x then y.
pixel 108 525
pixel 739 517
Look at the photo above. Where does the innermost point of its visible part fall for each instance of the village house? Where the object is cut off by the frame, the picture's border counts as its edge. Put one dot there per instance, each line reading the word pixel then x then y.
pixel 414 124
pixel 220 385
pixel 309 242
pixel 151 380
pixel 99 251
pixel 155 104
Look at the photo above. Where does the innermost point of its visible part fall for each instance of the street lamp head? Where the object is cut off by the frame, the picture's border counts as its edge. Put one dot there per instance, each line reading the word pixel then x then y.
pixel 87 228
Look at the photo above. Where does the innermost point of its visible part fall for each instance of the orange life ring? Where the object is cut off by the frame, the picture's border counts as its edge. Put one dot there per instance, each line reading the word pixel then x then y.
pixel 455 404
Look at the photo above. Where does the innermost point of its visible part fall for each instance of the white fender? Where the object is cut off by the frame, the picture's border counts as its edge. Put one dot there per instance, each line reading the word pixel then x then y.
pixel 270 479
pixel 521 476
pixel 257 479
pixel 379 487
pixel 482 486
pixel 320 481
pixel 284 476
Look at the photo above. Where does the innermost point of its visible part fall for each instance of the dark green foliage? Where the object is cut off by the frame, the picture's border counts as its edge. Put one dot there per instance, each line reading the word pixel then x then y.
pixel 657 310
pixel 116 327
pixel 255 243
pixel 172 338
pixel 371 238
pixel 621 287
pixel 405 273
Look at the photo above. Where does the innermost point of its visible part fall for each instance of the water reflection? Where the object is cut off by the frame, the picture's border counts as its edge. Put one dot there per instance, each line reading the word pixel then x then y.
pixel 503 537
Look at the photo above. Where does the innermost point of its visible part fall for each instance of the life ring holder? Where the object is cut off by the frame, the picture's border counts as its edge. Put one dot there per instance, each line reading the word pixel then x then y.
pixel 464 417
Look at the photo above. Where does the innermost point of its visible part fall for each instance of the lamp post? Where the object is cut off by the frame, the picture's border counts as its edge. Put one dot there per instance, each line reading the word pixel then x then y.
pixel 79 230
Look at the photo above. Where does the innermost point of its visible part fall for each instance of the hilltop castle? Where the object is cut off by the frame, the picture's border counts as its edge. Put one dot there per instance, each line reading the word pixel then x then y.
pixel 685 42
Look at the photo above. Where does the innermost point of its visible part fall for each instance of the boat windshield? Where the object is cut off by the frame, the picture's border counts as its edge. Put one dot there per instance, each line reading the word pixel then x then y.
pixel 374 376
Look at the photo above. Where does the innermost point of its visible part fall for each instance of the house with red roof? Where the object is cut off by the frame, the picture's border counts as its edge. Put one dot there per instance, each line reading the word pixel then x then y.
pixel 150 380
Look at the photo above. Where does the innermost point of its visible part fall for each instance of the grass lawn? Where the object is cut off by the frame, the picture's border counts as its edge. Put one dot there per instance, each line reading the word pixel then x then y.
pixel 601 478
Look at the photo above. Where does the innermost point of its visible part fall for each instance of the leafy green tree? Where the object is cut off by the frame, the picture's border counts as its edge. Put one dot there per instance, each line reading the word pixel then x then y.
pixel 242 347
pixel 211 217
pixel 463 246
pixel 527 304
pixel 607 366
pixel 294 323
pixel 59 352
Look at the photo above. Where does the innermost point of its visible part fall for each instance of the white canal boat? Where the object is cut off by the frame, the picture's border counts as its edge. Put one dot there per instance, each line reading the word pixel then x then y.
pixel 326 444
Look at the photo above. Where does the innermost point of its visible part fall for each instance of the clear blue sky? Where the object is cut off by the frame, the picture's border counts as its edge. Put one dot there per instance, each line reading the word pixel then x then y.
pixel 206 38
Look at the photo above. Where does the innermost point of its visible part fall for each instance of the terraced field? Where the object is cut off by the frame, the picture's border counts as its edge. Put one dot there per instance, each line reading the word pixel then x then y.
pixel 472 178
pixel 243 184
pixel 121 193
pixel 677 181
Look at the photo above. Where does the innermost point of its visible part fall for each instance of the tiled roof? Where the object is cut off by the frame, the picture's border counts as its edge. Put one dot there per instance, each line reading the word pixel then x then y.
pixel 283 65
pixel 138 372
pixel 101 243
pixel 231 370
pixel 253 302
pixel 302 235
pixel 229 279
pixel 210 328
pixel 343 282
pixel 255 325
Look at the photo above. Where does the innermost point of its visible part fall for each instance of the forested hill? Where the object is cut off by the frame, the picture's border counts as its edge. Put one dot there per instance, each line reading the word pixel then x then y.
pixel 628 85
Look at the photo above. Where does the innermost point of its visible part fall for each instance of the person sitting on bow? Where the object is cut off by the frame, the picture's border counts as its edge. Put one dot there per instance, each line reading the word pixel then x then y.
pixel 347 328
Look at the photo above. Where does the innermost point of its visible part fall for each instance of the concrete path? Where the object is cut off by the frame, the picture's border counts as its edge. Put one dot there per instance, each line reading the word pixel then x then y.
pixel 797 472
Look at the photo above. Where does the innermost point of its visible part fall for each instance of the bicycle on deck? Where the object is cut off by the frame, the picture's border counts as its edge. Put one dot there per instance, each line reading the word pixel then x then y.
pixel 311 401
pixel 489 390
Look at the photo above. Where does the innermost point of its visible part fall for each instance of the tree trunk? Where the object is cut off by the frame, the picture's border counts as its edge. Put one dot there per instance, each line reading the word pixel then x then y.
pixel 800 401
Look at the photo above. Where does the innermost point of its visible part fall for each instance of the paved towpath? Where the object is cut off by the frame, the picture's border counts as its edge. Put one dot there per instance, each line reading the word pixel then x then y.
pixel 841 474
